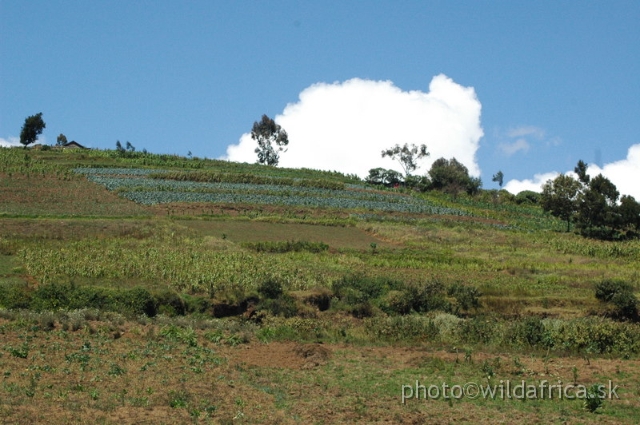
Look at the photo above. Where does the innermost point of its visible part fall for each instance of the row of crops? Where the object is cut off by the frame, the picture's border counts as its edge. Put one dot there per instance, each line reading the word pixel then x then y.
pixel 143 186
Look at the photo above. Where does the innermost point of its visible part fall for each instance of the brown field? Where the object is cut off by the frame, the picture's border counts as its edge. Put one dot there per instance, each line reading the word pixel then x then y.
pixel 118 372
pixel 51 196
pixel 255 231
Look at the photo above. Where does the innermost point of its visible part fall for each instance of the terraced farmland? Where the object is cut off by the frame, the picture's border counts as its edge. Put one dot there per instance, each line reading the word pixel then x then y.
pixel 151 288
pixel 137 186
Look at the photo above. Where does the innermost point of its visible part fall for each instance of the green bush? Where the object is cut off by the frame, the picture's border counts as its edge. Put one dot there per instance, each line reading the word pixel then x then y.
pixel 529 331
pixel 427 297
pixel 528 197
pixel 477 330
pixel 594 399
pixel 136 301
pixel 358 288
pixel 410 327
pixel 626 305
pixel 620 294
pixel 92 297
pixel 170 303
pixel 467 297
pixel 52 296
pixel 592 335
pixel 15 297
pixel 285 306
pixel 362 310
pixel 608 288
pixel 396 302
pixel 66 296
pixel 195 304
pixel 271 288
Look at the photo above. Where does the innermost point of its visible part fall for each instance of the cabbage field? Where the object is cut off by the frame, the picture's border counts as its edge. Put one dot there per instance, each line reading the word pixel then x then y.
pixel 144 187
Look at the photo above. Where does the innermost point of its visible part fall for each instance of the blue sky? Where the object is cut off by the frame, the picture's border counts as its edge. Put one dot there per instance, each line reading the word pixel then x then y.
pixel 557 81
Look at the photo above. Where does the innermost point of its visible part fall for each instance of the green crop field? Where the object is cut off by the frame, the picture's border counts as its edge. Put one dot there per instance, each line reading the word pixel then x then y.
pixel 146 288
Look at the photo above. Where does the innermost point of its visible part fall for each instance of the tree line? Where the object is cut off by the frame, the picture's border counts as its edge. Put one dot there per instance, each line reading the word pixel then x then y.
pixel 594 205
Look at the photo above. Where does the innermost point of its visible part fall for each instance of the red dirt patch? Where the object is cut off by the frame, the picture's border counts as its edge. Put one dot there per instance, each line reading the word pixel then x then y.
pixel 290 355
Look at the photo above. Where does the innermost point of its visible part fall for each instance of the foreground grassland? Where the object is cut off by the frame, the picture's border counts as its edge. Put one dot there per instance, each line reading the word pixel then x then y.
pixel 159 289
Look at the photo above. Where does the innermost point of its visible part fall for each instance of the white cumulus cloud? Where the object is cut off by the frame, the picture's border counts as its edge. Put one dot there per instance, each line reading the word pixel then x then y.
pixel 344 126
pixel 10 142
pixel 625 174
pixel 534 184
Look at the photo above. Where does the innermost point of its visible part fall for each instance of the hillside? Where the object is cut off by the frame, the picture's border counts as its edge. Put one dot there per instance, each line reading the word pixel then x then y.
pixel 139 288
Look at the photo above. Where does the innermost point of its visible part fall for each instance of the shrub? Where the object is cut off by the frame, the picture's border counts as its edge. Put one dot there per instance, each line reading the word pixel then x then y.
pixel 620 294
pixel 477 330
pixel 626 305
pixel 382 176
pixel 92 297
pixel 592 335
pixel 271 288
pixel 195 304
pixel 318 297
pixel 528 331
pixel 467 297
pixel 136 301
pixel 15 297
pixel 362 310
pixel 594 399
pixel 608 288
pixel 284 305
pixel 446 323
pixel 57 296
pixel 528 197
pixel 359 288
pixel 170 303
pixel 52 296
pixel 427 297
pixel 409 327
pixel 396 302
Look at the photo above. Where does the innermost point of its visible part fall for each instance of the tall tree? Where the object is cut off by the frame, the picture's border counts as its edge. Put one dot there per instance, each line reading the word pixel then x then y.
pixel 598 205
pixel 407 156
pixel 498 178
pixel 61 140
pixel 271 139
pixel 560 198
pixel 581 171
pixel 452 176
pixel 629 212
pixel 32 127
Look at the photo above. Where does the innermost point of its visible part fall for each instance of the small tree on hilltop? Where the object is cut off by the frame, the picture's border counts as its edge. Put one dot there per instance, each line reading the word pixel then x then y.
pixel 61 140
pixel 598 210
pixel 271 139
pixel 407 156
pixel 560 197
pixel 629 212
pixel 32 127
pixel 498 178
pixel 451 176
pixel 581 171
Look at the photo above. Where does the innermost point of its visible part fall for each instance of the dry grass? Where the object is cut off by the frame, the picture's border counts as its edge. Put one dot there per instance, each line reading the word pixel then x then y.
pixel 129 373
pixel 257 231
pixel 50 196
